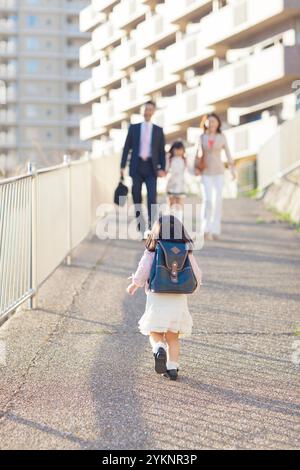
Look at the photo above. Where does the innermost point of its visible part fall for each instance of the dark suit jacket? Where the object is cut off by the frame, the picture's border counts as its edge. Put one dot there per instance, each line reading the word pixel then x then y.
pixel 132 144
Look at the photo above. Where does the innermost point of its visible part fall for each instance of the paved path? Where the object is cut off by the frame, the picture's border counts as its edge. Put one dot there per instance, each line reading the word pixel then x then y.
pixel 79 375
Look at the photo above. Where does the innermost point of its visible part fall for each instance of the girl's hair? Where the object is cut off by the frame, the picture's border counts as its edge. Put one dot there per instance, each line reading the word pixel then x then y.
pixel 204 120
pixel 168 227
pixel 177 145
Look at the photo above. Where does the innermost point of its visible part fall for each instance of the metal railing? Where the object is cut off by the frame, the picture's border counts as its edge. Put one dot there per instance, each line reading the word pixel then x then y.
pixel 44 215
pixel 15 242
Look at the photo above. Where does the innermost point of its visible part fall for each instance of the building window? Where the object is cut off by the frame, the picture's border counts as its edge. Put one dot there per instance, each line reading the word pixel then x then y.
pixel 31 21
pixel 32 89
pixel 31 111
pixel 32 66
pixel 32 43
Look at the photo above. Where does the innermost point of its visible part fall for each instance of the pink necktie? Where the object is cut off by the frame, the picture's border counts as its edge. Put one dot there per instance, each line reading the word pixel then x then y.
pixel 146 141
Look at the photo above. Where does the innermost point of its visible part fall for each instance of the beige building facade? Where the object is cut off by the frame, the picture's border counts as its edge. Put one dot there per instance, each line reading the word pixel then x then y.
pixel 40 76
pixel 239 58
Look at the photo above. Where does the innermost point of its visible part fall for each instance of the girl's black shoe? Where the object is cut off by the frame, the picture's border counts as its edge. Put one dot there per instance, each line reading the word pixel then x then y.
pixel 172 374
pixel 160 361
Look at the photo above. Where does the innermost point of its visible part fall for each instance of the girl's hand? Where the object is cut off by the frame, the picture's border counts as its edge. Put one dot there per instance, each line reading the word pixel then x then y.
pixel 132 288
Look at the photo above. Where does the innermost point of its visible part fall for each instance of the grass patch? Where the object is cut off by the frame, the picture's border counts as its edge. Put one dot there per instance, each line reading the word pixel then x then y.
pixel 260 221
pixel 252 194
pixel 286 218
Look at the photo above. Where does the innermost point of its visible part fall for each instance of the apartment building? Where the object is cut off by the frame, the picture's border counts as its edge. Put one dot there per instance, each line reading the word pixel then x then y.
pixel 238 58
pixel 40 76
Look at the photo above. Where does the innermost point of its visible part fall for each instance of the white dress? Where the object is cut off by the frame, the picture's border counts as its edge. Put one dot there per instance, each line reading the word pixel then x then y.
pixel 164 312
pixel 176 181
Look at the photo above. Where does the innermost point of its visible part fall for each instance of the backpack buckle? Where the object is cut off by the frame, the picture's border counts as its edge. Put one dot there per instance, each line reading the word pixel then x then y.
pixel 174 271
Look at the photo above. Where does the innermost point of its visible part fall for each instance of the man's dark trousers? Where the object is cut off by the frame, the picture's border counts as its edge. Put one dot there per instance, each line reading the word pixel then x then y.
pixel 145 174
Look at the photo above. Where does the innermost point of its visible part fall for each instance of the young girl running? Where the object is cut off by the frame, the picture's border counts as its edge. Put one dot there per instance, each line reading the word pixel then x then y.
pixel 166 317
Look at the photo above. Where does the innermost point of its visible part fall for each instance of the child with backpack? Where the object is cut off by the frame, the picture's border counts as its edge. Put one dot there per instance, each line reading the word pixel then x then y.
pixel 169 272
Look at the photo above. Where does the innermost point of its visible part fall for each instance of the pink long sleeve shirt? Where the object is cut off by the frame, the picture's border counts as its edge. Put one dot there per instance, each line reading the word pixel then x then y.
pixel 141 276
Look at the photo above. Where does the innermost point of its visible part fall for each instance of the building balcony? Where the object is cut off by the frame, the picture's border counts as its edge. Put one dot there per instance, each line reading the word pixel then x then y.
pixel 69 8
pixel 8 26
pixel 112 145
pixel 8 117
pixel 163 118
pixel 7 140
pixel 72 97
pixel 186 10
pixel 107 34
pixel 191 53
pixel 129 13
pixel 73 31
pixel 156 32
pixel 73 120
pixel 237 21
pixel 89 92
pixel 73 8
pixel 8 5
pixel 130 97
pixel 242 78
pixel 108 73
pixel 90 18
pixel 131 54
pixel 104 6
pixel 8 72
pixel 11 95
pixel 155 77
pixel 74 143
pixel 8 49
pixel 71 52
pixel 89 55
pixel 188 106
pixel 107 114
pixel 246 140
pixel 75 75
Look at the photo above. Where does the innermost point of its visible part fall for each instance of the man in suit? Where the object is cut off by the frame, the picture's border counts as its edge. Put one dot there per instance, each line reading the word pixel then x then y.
pixel 146 143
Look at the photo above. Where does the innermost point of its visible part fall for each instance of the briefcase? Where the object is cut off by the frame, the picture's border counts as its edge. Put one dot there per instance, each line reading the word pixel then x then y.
pixel 121 193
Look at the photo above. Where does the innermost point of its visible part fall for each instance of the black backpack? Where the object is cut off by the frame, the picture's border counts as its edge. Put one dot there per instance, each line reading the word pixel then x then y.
pixel 171 271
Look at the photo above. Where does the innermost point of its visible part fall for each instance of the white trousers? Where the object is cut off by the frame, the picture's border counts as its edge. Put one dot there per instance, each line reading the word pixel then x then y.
pixel 213 190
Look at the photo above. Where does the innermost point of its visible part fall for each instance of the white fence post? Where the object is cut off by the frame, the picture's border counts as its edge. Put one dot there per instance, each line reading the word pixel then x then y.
pixel 33 300
pixel 90 208
pixel 67 163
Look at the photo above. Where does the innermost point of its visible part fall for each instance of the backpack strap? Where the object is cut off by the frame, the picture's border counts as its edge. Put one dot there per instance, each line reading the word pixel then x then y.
pixel 175 254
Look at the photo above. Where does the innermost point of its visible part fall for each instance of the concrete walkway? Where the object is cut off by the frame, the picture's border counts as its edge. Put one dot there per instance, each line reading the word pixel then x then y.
pixel 79 375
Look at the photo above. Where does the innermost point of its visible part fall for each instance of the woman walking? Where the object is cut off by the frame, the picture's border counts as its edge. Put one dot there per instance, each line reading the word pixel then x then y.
pixel 211 144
